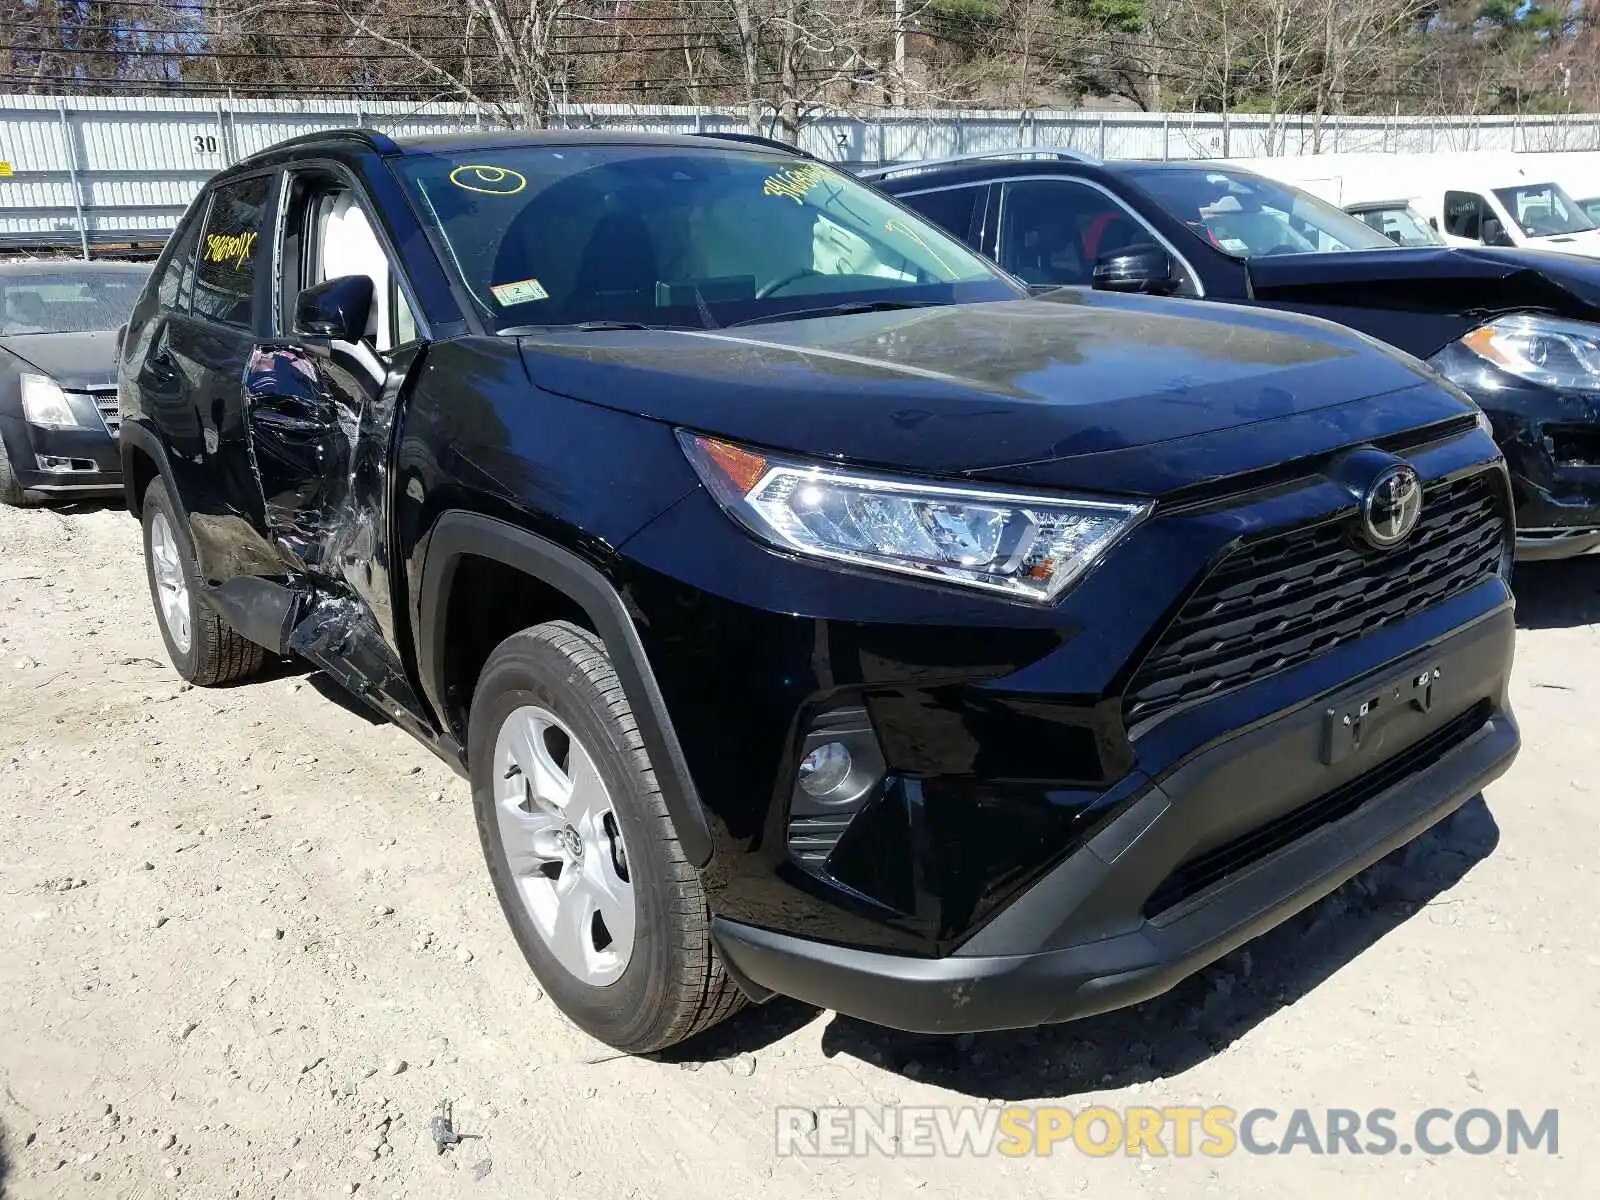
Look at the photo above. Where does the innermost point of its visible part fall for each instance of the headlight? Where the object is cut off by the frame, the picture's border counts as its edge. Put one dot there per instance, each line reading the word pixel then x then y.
pixel 1029 547
pixel 1558 354
pixel 45 404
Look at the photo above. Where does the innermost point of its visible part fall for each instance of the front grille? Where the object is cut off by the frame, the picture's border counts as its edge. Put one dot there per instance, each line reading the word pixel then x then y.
pixel 1198 874
pixel 105 399
pixel 1281 600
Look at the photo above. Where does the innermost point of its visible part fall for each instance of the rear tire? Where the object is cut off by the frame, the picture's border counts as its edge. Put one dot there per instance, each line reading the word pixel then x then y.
pixel 549 719
pixel 202 646
pixel 11 491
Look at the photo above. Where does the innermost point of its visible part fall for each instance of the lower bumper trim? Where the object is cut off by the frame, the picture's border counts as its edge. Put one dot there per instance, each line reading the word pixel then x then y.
pixel 1535 545
pixel 960 993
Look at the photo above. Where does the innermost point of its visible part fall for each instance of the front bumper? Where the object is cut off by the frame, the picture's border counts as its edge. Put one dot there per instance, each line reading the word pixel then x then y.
pixel 1174 880
pixel 1551 443
pixel 88 459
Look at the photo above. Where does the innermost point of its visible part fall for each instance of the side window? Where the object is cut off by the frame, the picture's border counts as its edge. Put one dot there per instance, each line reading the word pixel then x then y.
pixel 950 208
pixel 1463 215
pixel 1053 230
pixel 175 289
pixel 226 277
pixel 343 242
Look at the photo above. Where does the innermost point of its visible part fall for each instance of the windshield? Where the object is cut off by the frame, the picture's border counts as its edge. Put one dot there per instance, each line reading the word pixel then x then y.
pixel 667 235
pixel 1245 215
pixel 1543 210
pixel 1401 225
pixel 57 302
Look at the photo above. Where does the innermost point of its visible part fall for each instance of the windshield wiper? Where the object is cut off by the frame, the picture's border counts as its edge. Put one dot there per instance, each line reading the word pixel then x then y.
pixel 835 310
pixel 577 327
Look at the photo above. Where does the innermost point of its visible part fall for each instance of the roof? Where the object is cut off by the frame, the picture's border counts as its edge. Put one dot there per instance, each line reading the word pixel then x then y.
pixel 68 266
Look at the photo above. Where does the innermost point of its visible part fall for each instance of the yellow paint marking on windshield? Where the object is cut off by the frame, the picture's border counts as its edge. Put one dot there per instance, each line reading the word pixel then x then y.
pixel 488 180
pixel 794 182
pixel 894 226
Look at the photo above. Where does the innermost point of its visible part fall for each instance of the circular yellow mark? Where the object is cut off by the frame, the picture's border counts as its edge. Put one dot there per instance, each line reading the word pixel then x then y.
pixel 490 181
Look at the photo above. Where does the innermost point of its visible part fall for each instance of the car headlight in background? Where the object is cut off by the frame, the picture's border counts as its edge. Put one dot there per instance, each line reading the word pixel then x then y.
pixel 1546 350
pixel 46 405
pixel 1026 546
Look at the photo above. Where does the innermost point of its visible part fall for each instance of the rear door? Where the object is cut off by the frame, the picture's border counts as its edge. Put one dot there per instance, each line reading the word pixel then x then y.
pixel 207 344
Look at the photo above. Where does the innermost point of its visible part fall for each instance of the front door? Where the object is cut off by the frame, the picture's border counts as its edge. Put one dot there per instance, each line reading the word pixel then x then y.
pixel 321 416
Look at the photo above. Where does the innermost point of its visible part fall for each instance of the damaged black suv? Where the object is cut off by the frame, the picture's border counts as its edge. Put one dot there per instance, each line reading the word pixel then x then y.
pixel 812 611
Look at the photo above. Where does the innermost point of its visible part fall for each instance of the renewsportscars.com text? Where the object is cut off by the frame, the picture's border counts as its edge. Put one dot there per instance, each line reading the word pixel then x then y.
pixel 1216 1131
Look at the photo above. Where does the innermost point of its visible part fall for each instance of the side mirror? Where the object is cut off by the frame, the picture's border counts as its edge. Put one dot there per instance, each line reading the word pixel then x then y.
pixel 1143 269
pixel 337 309
pixel 1494 233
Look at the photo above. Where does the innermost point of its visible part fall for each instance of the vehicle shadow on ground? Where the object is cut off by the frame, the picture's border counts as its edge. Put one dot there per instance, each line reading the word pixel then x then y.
pixel 1164 1036
pixel 1557 595
pixel 89 504
pixel 328 689
pixel 5 1161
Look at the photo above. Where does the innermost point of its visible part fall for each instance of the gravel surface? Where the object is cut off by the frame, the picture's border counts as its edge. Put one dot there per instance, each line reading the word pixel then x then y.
pixel 248 949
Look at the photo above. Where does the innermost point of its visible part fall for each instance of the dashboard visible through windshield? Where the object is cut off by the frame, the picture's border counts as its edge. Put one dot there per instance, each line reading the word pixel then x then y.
pixel 1543 210
pixel 667 235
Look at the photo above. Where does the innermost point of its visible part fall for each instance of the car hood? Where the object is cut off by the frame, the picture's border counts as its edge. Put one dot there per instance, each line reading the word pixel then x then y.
pixel 1466 281
pixel 964 388
pixel 77 361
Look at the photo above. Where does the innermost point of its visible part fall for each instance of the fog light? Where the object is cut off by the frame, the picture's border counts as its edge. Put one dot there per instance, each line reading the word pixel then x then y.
pixel 825 768
pixel 52 463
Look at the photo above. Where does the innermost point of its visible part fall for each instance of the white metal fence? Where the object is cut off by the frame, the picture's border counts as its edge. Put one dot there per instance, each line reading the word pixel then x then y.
pixel 90 170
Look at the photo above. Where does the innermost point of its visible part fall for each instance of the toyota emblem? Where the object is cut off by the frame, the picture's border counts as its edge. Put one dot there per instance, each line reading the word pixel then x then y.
pixel 1390 509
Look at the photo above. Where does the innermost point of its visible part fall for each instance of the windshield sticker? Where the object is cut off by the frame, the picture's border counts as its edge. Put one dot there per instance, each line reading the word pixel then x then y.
pixel 794 182
pixel 235 248
pixel 524 291
pixel 488 180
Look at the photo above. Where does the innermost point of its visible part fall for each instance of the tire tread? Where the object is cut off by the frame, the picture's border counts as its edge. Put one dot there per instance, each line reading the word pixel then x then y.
pixel 701 993
pixel 221 656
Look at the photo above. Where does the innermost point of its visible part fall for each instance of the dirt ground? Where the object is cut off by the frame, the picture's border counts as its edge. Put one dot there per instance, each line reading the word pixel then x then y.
pixel 247 947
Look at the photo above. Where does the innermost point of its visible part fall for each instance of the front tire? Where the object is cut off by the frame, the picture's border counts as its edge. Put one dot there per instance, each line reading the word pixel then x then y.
pixel 202 646
pixel 607 910
pixel 11 492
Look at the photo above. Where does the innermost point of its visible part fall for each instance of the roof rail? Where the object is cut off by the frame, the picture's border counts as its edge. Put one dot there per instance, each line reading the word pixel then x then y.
pixel 908 168
pixel 752 139
pixel 381 142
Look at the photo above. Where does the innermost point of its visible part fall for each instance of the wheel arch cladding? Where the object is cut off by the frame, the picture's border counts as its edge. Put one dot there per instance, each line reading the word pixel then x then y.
pixel 460 536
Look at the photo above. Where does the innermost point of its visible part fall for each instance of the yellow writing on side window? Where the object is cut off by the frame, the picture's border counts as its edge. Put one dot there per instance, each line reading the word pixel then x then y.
pixel 230 247
pixel 794 182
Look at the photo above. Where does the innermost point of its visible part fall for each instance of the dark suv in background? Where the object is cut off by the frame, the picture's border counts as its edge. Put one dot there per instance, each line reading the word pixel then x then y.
pixel 811 610
pixel 1518 330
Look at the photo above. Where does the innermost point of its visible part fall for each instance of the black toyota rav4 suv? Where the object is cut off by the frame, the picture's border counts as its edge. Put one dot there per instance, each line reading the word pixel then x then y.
pixel 812 611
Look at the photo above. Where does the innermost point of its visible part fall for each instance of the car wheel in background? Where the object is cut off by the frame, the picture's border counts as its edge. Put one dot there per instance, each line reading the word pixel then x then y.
pixel 10 490
pixel 202 646
pixel 608 912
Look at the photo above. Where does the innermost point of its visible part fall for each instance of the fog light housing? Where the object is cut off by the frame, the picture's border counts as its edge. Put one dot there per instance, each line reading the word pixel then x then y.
pixel 840 769
pixel 825 768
